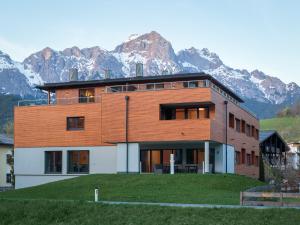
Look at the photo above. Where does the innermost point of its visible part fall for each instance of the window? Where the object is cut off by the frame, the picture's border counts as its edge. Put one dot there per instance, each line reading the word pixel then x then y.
pixel 78 161
pixel 155 86
pixel 231 120
pixel 238 125
pixel 190 84
pixel 75 123
pixel 53 162
pixel 248 130
pixel 257 134
pixel 8 178
pixel 243 155
pixel 252 131
pixel 243 126
pixel 9 159
pixel 256 161
pixel 248 160
pixel 252 157
pixel 86 95
pixel 174 112
pixel 237 157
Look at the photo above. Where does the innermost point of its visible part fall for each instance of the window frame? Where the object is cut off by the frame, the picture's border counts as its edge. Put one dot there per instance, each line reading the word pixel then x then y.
pixel 45 159
pixel 86 99
pixel 75 129
pixel 68 162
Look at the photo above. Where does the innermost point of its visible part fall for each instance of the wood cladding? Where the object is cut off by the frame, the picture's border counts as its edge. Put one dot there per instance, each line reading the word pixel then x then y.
pixel 45 126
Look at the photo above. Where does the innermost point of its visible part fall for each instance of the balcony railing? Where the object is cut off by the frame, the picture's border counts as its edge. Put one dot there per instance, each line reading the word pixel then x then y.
pixel 59 101
pixel 158 86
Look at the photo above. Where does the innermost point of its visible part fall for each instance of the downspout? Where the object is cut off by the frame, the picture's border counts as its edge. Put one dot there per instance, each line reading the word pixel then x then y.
pixel 226 133
pixel 126 130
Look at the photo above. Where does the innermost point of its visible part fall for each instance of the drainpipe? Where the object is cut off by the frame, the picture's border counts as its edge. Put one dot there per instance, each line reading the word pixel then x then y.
pixel 126 130
pixel 226 133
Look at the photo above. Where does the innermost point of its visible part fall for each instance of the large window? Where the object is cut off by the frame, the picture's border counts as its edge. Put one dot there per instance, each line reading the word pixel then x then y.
pixel 78 161
pixel 176 112
pixel 194 156
pixel 243 155
pixel 190 84
pixel 86 95
pixel 231 120
pixel 237 157
pixel 75 123
pixel 248 130
pixel 238 125
pixel 53 162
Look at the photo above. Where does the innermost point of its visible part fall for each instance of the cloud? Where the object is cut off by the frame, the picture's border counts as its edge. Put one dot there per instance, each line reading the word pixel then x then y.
pixel 16 51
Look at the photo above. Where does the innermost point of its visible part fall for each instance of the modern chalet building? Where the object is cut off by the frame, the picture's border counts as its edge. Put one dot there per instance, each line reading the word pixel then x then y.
pixel 133 125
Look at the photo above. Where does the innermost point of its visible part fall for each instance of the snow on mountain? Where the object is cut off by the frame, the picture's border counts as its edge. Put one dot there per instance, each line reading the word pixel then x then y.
pixel 158 57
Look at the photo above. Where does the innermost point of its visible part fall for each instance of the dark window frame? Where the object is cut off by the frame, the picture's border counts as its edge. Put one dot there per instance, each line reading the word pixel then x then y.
pixel 78 164
pixel 8 178
pixel 238 125
pixel 47 171
pixel 68 128
pixel 82 98
pixel 231 120
pixel 169 113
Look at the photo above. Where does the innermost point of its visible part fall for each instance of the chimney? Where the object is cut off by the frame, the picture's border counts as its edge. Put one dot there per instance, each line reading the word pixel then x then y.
pixel 139 70
pixel 107 73
pixel 73 74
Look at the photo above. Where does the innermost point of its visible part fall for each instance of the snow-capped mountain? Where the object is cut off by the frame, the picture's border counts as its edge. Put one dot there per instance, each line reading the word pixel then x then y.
pixel 17 78
pixel 158 57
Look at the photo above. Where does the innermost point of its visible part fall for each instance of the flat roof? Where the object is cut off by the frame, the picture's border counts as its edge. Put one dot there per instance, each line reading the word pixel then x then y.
pixel 132 80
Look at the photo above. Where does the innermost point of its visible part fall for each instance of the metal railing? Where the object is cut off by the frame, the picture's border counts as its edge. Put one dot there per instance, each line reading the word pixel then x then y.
pixel 59 101
pixel 158 86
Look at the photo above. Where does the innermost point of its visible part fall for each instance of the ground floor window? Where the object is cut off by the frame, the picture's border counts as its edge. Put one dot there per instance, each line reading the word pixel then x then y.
pixel 53 161
pixel 237 157
pixel 154 160
pixel 78 161
pixel 8 178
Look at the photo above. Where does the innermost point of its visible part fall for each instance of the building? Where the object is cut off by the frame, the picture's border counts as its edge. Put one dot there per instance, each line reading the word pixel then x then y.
pixel 293 155
pixel 273 147
pixel 132 125
pixel 6 161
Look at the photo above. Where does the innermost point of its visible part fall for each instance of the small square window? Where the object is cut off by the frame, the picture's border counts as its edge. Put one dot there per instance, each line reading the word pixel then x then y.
pixel 75 123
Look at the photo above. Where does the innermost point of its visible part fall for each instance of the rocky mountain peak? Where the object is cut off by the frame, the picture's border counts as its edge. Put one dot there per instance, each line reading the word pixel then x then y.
pixel 47 53
pixel 74 51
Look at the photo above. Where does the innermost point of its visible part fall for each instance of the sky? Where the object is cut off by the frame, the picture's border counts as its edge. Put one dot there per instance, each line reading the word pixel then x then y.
pixel 246 34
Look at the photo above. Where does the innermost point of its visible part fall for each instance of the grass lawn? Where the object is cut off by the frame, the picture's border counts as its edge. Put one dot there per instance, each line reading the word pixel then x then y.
pixel 180 188
pixel 39 212
pixel 288 127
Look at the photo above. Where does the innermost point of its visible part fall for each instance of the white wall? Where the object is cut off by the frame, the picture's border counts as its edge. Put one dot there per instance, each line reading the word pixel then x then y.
pixel 30 164
pixel 4 167
pixel 220 158
pixel 133 158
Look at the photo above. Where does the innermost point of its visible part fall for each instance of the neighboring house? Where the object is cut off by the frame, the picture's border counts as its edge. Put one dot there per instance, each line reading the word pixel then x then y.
pixel 273 147
pixel 132 125
pixel 6 161
pixel 293 155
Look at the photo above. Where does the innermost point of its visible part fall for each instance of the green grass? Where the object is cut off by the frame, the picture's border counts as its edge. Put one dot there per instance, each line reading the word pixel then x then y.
pixel 288 127
pixel 80 213
pixel 181 188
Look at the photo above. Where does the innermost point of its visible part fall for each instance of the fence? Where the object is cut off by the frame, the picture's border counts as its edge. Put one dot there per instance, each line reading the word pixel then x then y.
pixel 270 199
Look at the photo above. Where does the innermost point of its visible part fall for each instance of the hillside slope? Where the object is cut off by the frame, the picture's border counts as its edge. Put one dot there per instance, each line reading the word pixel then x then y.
pixel 288 127
pixel 179 188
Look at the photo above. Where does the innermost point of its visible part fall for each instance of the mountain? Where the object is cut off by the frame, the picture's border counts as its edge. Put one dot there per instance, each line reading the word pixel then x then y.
pixel 17 78
pixel 264 94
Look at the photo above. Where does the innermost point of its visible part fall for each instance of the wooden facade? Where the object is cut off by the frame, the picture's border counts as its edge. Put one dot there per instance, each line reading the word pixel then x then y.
pixel 45 126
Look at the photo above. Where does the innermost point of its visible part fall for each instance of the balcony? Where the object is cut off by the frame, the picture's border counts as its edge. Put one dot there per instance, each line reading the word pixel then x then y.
pixel 158 86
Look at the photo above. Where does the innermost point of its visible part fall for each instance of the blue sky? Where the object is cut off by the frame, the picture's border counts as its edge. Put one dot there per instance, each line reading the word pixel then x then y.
pixel 257 34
